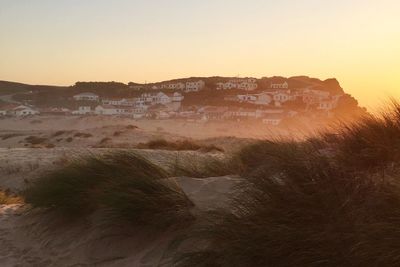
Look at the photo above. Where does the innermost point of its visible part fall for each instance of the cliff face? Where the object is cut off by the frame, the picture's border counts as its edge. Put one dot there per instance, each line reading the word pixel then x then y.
pixel 333 85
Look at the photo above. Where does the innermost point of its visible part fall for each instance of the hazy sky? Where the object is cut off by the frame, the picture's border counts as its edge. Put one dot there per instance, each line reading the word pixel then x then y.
pixel 63 41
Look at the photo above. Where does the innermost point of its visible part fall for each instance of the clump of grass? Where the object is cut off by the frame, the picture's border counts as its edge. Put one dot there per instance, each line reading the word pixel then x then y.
pixel 6 198
pixel 83 135
pixel 131 127
pixel 35 140
pixel 125 184
pixel 58 133
pixel 315 203
pixel 178 146
pixel 104 140
pixel 117 133
pixel 10 135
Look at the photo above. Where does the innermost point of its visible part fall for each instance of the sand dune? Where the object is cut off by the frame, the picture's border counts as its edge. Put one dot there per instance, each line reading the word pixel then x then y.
pixel 36 238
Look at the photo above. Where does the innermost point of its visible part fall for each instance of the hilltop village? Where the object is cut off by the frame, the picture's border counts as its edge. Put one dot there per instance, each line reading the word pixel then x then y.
pixel 270 101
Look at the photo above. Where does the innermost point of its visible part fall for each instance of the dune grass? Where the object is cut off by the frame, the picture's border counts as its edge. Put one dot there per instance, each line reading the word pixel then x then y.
pixel 124 184
pixel 330 201
pixel 202 167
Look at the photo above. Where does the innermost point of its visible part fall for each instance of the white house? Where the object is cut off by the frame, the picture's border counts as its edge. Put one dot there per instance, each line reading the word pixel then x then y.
pixel 173 86
pixel 194 86
pixel 283 96
pixel 119 102
pixel 241 112
pixel 106 110
pixel 328 104
pixel 86 97
pixel 176 97
pixel 8 109
pixel 247 98
pixel 284 85
pixel 82 110
pixel 273 119
pixel 247 84
pixel 22 110
pixel 263 99
pixel 226 86
pixel 139 112
pixel 136 87
pixel 311 96
pixel 162 98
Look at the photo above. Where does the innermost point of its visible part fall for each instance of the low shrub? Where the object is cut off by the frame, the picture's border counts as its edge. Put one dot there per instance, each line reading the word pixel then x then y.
pixel 131 127
pixel 35 140
pixel 58 133
pixel 83 135
pixel 178 146
pixel 117 133
pixel 10 135
pixel 105 140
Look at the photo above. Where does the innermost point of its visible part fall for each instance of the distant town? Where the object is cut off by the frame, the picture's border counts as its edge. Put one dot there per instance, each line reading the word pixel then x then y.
pixel 270 101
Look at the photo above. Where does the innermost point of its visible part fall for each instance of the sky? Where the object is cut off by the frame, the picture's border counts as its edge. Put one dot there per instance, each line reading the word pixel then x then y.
pixel 64 41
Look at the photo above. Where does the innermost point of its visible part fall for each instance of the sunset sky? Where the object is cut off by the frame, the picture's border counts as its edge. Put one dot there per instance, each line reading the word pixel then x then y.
pixel 64 41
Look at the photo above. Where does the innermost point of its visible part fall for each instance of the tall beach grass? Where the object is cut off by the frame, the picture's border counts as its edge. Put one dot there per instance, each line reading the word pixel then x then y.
pixel 333 200
pixel 124 184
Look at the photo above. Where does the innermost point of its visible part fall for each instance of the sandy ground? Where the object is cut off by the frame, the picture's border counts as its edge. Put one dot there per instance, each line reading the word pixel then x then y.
pixel 177 128
pixel 37 238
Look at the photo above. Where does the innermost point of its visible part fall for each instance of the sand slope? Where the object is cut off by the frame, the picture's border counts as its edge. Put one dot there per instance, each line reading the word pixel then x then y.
pixel 38 238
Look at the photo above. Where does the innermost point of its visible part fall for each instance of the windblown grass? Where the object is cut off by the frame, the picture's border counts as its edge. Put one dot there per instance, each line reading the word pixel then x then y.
pixel 202 167
pixel 330 201
pixel 123 183
pixel 371 144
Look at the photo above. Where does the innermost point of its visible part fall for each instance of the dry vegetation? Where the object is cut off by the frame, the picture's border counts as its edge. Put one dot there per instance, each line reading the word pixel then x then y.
pixel 10 135
pixel 124 184
pixel 179 146
pixel 330 201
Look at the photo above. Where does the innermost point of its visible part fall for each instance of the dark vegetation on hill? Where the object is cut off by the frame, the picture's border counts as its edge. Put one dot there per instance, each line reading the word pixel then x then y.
pixel 329 201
